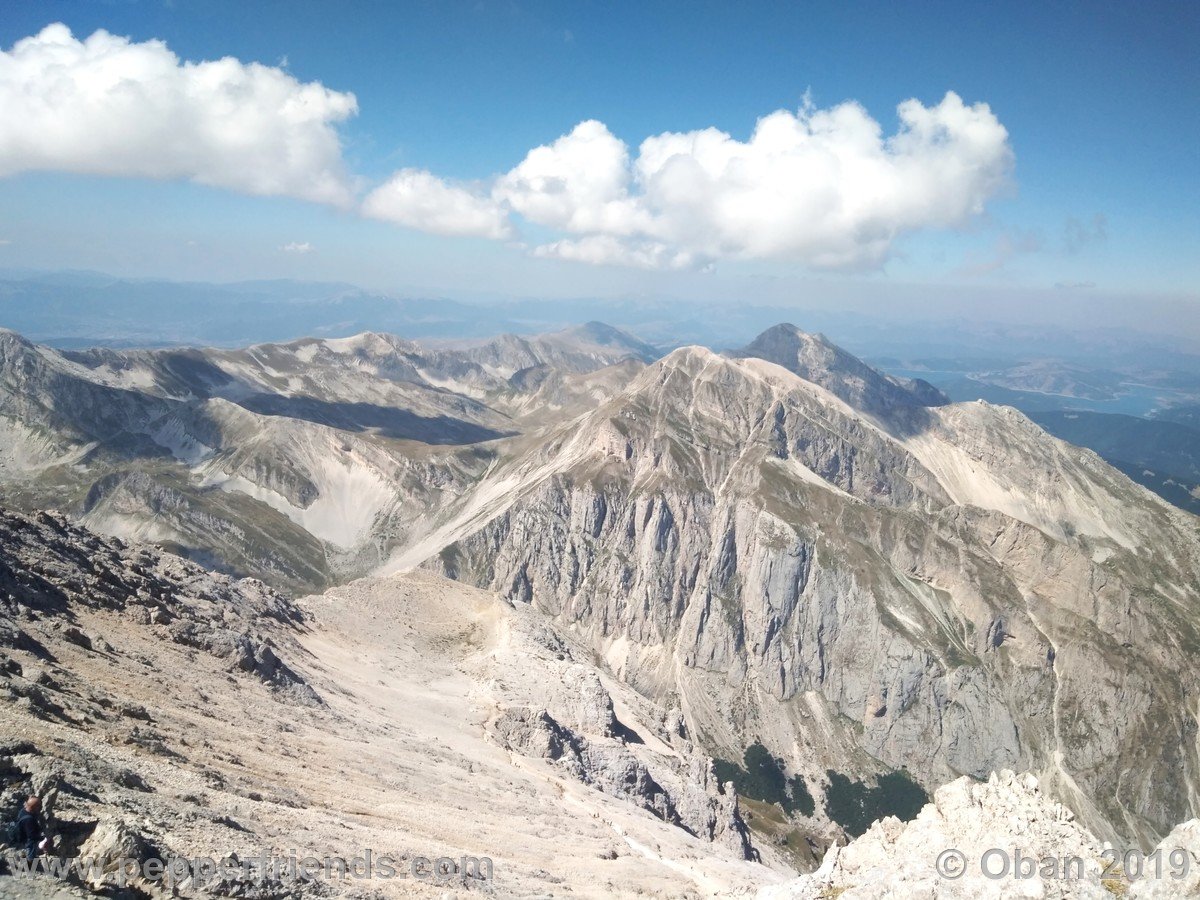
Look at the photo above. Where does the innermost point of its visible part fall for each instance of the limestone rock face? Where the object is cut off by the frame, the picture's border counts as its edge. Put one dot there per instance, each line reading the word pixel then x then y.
pixel 946 588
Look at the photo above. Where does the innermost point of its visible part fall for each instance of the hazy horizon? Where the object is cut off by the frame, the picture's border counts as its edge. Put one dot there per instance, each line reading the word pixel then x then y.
pixel 917 165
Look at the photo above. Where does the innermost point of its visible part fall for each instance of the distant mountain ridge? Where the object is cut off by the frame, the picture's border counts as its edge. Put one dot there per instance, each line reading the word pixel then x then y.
pixel 278 459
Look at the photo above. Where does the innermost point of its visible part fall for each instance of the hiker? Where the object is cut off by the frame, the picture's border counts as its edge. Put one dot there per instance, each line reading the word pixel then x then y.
pixel 29 827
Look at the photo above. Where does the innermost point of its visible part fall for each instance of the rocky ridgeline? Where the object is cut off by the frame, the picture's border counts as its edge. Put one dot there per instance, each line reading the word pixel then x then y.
pixel 76 608
pixel 50 569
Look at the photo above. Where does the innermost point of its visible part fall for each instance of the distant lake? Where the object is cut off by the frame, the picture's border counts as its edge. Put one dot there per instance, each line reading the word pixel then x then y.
pixel 1136 400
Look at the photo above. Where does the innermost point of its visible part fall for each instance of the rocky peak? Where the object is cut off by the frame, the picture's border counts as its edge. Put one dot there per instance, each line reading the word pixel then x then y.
pixel 815 358
pixel 690 359
pixel 11 340
pixel 20 355
pixel 367 343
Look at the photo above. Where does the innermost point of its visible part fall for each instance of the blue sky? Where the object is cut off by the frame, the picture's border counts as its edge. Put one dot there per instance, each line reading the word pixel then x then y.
pixel 1101 163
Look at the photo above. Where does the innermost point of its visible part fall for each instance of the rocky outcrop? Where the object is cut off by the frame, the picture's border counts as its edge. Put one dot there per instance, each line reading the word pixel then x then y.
pixel 710 809
pixel 607 766
pixel 532 732
pixel 110 844
pixel 50 569
pixel 592 706
pixel 1174 866
pixel 1000 838
pixel 693 801
pixel 1005 814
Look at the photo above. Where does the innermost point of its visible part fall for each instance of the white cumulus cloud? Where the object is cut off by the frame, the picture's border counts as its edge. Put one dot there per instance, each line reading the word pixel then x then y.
pixel 109 106
pixel 417 199
pixel 580 184
pixel 298 247
pixel 823 187
pixel 826 188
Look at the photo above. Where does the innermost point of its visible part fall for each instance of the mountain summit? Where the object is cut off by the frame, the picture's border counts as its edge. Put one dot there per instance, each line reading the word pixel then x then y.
pixel 815 358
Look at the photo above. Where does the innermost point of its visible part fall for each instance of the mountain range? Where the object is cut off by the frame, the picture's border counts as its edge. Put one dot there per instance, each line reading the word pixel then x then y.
pixel 777 553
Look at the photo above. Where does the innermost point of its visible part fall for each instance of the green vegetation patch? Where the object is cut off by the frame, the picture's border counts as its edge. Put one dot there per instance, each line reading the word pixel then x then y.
pixel 762 777
pixel 855 805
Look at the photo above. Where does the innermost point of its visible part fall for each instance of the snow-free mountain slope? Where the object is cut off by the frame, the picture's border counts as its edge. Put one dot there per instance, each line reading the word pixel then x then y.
pixel 816 359
pixel 193 713
pixel 739 540
pixel 783 545
pixel 302 462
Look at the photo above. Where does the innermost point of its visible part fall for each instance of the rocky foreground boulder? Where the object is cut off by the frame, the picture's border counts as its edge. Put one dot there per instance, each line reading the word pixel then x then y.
pixel 1000 838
